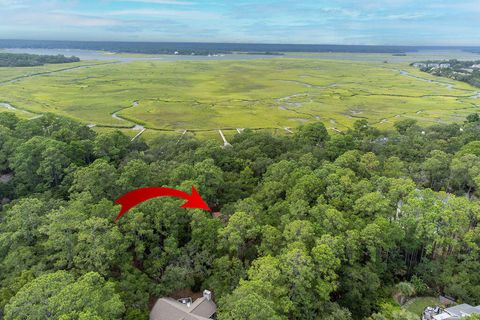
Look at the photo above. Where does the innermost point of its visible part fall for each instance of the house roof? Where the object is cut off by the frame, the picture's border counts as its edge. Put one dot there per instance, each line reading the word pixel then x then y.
pixel 444 316
pixel 170 309
pixel 462 310
pixel 203 307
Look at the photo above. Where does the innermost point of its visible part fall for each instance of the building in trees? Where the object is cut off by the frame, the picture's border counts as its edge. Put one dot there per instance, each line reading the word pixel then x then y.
pixel 170 309
pixel 456 312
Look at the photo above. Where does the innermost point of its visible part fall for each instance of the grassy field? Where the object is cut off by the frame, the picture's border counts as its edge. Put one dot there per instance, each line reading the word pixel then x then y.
pixel 417 305
pixel 205 96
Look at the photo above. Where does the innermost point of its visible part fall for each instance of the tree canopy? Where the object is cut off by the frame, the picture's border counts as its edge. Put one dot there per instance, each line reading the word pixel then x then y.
pixel 30 60
pixel 306 226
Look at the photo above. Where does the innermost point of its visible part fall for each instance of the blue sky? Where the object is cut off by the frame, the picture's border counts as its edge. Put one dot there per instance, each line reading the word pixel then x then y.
pixel 382 22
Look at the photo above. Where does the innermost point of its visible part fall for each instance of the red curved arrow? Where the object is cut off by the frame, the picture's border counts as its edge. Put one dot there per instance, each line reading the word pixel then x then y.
pixel 135 197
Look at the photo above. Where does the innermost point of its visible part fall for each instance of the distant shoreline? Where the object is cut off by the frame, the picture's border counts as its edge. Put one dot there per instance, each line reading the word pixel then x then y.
pixel 201 48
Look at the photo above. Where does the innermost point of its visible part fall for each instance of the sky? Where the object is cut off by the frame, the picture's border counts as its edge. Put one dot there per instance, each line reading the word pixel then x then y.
pixel 371 22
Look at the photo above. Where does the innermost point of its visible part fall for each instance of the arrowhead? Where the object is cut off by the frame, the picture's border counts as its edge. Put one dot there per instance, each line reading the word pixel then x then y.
pixel 195 201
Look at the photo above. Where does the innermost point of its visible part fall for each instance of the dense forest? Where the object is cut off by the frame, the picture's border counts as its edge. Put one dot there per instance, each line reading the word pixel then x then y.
pixel 307 226
pixel 31 60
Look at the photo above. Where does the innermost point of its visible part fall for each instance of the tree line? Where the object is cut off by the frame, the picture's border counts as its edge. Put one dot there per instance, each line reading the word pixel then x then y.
pixel 31 60
pixel 466 71
pixel 310 225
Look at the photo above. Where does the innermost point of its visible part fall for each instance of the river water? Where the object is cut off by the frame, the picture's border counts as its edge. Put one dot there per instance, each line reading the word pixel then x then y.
pixel 420 55
pixel 7 105
pixel 108 56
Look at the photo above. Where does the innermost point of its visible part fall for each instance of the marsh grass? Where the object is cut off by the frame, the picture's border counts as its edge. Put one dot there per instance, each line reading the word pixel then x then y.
pixel 259 94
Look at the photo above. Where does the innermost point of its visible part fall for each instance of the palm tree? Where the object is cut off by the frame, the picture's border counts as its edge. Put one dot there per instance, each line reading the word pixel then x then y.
pixel 406 290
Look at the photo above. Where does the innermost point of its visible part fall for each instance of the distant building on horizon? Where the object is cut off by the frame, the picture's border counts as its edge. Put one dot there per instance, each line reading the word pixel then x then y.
pixel 434 65
pixel 420 65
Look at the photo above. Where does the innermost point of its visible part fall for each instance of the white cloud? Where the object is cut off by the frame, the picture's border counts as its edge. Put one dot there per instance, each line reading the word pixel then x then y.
pixel 342 11
pixel 160 2
pixel 13 4
pixel 165 13
pixel 57 19
pixel 465 6
pixel 405 16
pixel 9 2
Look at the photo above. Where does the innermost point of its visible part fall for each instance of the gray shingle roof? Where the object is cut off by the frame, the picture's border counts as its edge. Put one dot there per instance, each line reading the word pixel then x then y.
pixel 170 309
pixel 462 310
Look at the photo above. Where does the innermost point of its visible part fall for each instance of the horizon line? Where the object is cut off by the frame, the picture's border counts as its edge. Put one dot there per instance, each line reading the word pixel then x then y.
pixel 254 43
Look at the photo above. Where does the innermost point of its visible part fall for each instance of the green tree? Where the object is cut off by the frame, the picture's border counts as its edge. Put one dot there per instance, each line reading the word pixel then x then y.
pixel 299 230
pixel 8 120
pixel 393 167
pixel 272 240
pixel 372 205
pixel 79 238
pixel 111 145
pixel 31 301
pixel 58 296
pixel 326 264
pixel 298 268
pixel 39 164
pixel 248 305
pixel 437 169
pixel 359 289
pixel 314 134
pixel 98 179
pixel 405 125
pixel 406 290
pixel 5 147
pixel 465 171
pixel 237 236
pixel 91 295
pixel 225 276
pixel 135 174
pixel 470 148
